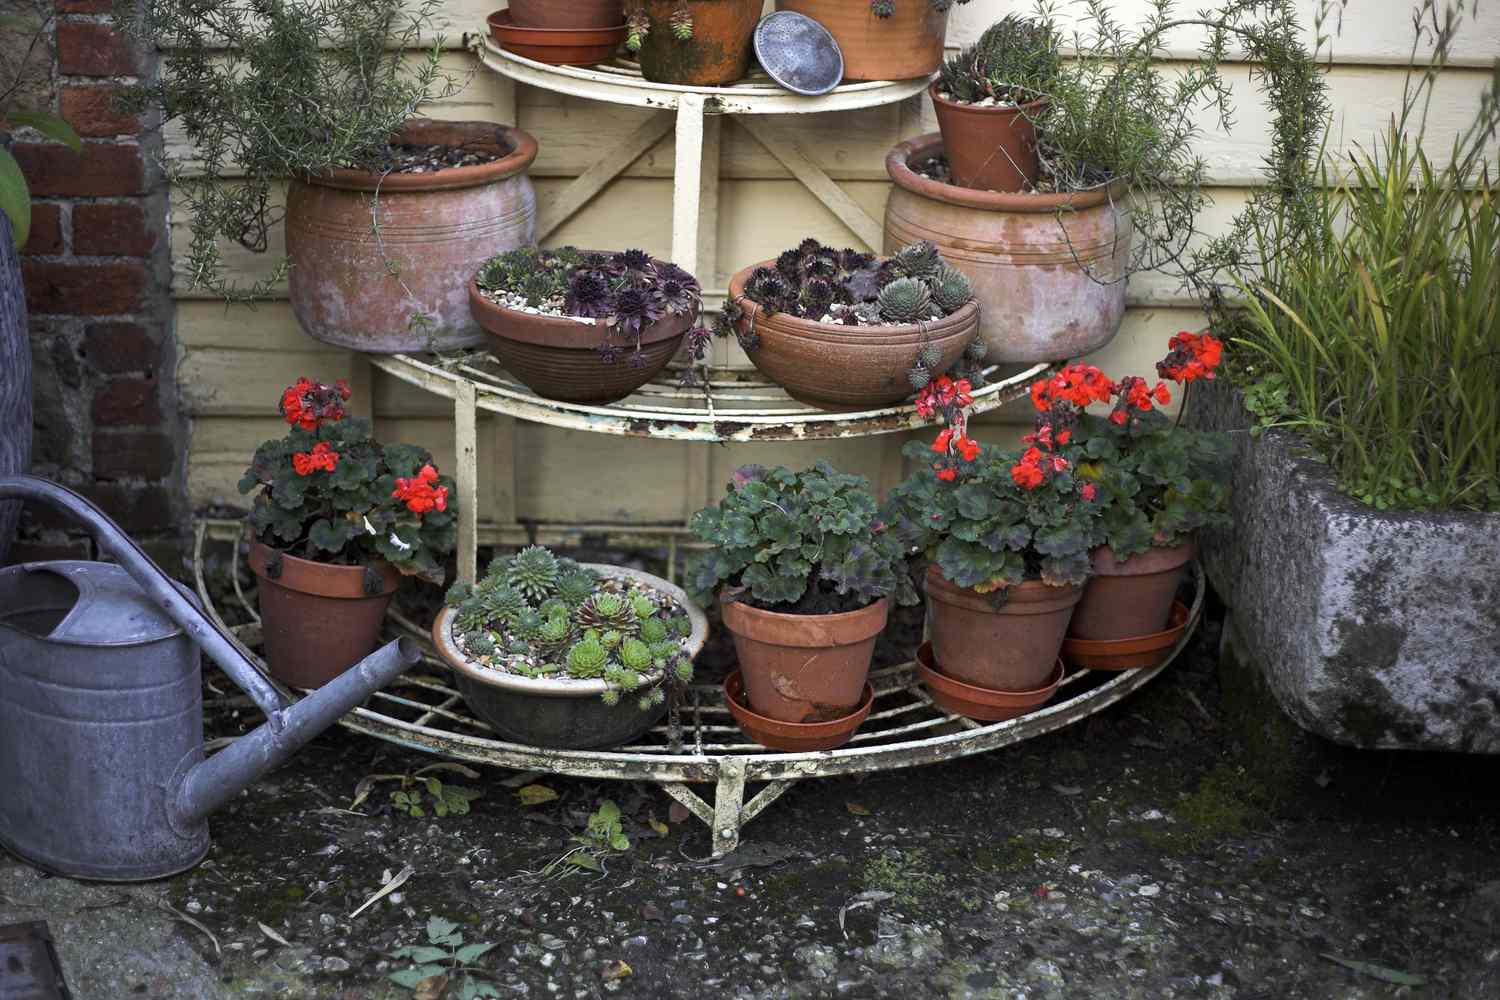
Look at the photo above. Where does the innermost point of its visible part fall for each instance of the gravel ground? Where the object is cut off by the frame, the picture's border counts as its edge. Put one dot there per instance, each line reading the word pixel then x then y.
pixel 1144 854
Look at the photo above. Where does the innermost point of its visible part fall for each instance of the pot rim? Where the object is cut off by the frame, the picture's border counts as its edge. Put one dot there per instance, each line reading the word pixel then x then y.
pixel 996 110
pixel 504 21
pixel 795 730
pixel 544 687
pixel 1156 559
pixel 854 626
pixel 898 167
pixel 319 579
pixel 1028 592
pixel 889 334
pixel 568 332
pixel 523 150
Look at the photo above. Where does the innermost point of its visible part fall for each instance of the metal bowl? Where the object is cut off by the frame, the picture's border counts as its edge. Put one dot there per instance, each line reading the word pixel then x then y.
pixel 798 53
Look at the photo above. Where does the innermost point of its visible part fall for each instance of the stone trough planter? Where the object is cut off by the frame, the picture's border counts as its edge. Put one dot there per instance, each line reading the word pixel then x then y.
pixel 1374 629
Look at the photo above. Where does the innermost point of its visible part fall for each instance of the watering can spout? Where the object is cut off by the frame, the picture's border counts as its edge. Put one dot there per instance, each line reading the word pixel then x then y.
pixel 212 782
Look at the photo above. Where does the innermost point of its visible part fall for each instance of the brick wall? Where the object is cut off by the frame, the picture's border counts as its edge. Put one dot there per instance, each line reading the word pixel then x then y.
pixel 97 274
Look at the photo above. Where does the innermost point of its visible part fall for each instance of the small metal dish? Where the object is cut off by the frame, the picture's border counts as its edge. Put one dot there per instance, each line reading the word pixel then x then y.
pixel 798 53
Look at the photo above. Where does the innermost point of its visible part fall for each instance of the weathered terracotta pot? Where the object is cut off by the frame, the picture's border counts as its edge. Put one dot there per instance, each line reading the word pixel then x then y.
pixel 317 620
pixel 558 357
pixel 1130 598
pixel 1010 648
pixel 908 43
pixel 434 228
pixel 984 704
pixel 847 367
pixel 1129 653
pixel 989 149
pixel 556 46
pixel 15 380
pixel 793 737
pixel 567 14
pixel 804 668
pixel 1029 257
pixel 718 52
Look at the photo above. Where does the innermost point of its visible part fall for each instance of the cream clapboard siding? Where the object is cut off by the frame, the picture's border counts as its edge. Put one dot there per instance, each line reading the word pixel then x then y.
pixel 236 360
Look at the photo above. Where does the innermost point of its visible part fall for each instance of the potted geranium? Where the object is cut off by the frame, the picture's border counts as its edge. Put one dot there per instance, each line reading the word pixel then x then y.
pixel 338 519
pixel 584 326
pixel 1007 536
pixel 696 43
pixel 805 572
pixel 882 39
pixel 846 330
pixel 554 653
pixel 383 209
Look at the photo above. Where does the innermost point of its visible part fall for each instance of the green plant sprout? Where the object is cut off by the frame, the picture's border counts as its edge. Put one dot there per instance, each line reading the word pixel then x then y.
pixel 443 962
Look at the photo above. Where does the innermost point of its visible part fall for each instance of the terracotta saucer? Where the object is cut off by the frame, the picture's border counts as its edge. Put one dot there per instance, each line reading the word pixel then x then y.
pixel 556 46
pixel 980 703
pixel 795 737
pixel 1128 654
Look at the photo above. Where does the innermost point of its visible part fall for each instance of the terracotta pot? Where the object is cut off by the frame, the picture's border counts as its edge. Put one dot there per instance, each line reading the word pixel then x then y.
pixel 989 149
pixel 15 383
pixel 434 228
pixel 566 14
pixel 317 620
pixel 847 367
pixel 562 713
pixel 1009 648
pixel 718 52
pixel 793 737
pixel 952 695
pixel 908 43
pixel 1029 257
pixel 804 668
pixel 556 46
pixel 558 357
pixel 1133 597
pixel 1127 654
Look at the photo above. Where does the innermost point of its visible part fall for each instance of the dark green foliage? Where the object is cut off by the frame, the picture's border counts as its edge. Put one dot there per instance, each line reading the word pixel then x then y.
pixel 1016 60
pixel 800 542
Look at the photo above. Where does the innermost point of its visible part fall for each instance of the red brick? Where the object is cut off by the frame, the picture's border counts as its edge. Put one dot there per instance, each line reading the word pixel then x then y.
pixel 127 401
pixel 46 229
pixel 87 48
pixel 113 348
pixel 142 454
pixel 92 111
pixel 85 6
pixel 111 229
pixel 102 169
pixel 23 551
pixel 143 509
pixel 84 289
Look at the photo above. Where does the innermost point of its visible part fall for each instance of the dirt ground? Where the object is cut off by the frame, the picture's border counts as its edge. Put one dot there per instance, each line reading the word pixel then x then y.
pixel 1147 853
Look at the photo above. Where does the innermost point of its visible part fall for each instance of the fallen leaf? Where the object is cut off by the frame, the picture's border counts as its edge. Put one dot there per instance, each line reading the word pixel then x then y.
pixel 390 886
pixel 268 932
pixel 431 988
pixel 617 970
pixel 856 809
pixel 535 795
pixel 677 813
pixel 520 778
pixel 1381 972
pixel 658 826
pixel 583 859
pixel 467 772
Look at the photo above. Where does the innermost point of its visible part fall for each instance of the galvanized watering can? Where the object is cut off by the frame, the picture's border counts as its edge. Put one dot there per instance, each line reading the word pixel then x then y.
pixel 101 709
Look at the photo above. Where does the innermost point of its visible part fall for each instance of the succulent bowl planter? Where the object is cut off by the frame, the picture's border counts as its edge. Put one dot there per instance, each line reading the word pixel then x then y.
pixel 1048 270
pixel 716 51
pixel 566 14
pixel 431 227
pixel 794 737
pixel 906 44
pixel 1130 597
pixel 991 147
pixel 562 711
pixel 557 46
pixel 1131 652
pixel 982 703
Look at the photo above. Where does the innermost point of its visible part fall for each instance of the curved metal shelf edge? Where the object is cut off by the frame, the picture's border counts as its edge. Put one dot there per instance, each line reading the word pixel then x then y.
pixel 774 766
pixel 692 425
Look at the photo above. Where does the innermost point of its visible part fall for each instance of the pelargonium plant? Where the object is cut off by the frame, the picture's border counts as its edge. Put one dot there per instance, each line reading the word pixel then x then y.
pixel 540 615
pixel 809 543
pixel 330 493
pixel 621 292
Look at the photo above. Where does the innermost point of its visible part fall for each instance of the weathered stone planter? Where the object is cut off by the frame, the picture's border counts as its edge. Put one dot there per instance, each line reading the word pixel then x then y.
pixel 1375 629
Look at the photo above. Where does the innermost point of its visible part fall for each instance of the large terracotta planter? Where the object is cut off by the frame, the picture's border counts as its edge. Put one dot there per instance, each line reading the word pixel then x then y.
pixel 718 52
pixel 556 46
pixel 560 712
pixel 317 620
pixel 804 668
pixel 1012 647
pixel 908 43
pixel 567 14
pixel 15 380
pixel 989 148
pixel 558 357
pixel 1133 597
pixel 434 229
pixel 1048 269
pixel 847 367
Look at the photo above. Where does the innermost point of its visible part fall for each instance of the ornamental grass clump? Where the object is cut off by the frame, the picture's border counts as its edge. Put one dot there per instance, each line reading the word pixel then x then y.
pixel 330 493
pixel 540 615
pixel 802 543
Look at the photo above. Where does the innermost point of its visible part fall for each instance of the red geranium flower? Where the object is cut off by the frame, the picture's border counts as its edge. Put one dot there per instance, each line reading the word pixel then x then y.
pixel 1089 491
pixel 308 404
pixel 1191 356
pixel 421 493
pixel 321 457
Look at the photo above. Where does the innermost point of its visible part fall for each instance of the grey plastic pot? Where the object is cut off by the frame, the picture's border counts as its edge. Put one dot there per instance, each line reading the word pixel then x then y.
pixel 560 713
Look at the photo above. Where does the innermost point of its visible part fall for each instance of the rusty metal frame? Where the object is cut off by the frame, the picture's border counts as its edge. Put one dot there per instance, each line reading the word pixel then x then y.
pixel 700 744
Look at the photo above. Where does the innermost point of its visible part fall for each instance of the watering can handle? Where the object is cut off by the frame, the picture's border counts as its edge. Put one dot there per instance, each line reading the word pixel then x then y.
pixel 158 586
